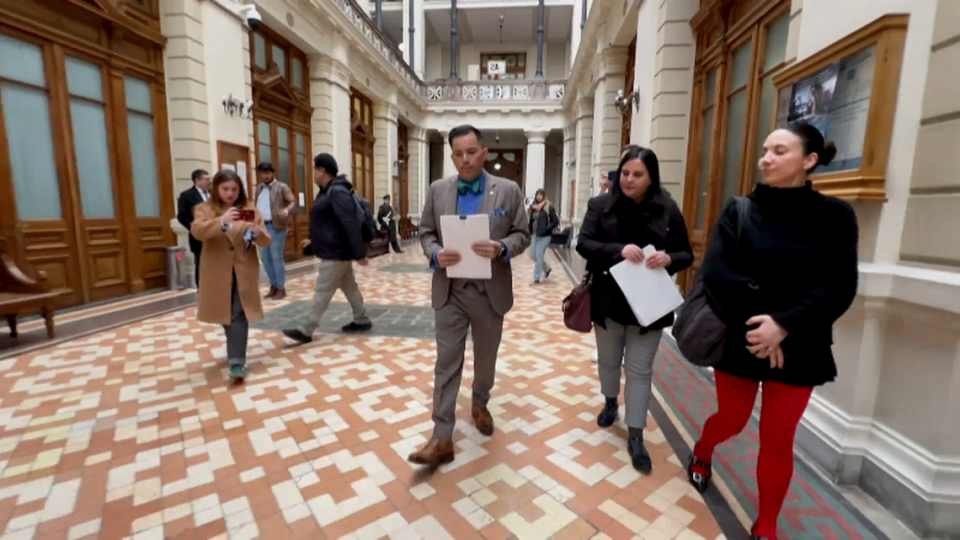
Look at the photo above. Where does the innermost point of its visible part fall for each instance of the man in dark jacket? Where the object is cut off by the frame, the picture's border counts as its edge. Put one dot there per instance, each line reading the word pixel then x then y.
pixel 388 224
pixel 188 199
pixel 336 240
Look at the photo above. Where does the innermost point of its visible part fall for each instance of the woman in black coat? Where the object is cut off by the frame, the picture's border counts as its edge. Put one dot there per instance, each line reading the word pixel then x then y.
pixel 618 224
pixel 779 289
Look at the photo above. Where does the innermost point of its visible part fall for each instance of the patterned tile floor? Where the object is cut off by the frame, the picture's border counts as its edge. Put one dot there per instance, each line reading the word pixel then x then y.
pixel 134 433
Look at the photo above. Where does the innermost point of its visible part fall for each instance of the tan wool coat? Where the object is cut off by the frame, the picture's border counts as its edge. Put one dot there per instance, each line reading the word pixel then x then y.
pixel 223 255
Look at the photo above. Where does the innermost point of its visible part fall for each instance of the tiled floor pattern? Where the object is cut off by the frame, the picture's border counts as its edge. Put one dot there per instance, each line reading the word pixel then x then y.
pixel 134 433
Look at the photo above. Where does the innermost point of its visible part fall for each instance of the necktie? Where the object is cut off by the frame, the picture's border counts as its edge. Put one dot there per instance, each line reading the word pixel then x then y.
pixel 472 187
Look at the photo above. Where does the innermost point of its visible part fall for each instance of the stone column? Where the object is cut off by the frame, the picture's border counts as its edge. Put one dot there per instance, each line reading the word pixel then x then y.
pixel 584 146
pixel 418 166
pixel 454 46
pixel 384 149
pixel 449 167
pixel 186 89
pixel 607 120
pixel 540 30
pixel 330 99
pixel 378 13
pixel 535 161
pixel 569 171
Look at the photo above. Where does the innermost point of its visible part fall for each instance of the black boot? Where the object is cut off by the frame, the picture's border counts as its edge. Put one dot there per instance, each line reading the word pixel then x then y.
pixel 638 452
pixel 609 413
pixel 754 536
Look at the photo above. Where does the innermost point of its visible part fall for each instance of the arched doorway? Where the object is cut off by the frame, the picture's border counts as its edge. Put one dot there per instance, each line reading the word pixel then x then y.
pixel 282 113
pixel 506 163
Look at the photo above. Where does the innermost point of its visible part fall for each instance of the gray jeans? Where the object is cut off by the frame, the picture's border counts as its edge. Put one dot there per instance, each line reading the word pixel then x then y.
pixel 624 345
pixel 333 275
pixel 237 331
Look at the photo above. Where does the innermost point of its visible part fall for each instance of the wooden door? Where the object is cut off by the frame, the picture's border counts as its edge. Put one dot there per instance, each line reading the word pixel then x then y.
pixel 401 185
pixel 236 158
pixel 506 163
pixel 626 121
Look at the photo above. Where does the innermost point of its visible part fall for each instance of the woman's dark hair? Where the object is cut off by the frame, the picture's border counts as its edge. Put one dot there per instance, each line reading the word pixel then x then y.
pixel 538 192
pixel 223 177
pixel 655 193
pixel 813 143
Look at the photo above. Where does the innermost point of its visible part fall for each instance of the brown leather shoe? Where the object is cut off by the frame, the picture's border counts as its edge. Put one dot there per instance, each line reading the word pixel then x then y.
pixel 482 419
pixel 271 293
pixel 280 294
pixel 437 452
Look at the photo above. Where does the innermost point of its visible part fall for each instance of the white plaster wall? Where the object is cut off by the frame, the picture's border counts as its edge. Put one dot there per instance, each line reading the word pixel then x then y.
pixel 226 46
pixel 826 21
pixel 644 71
pixel 556 63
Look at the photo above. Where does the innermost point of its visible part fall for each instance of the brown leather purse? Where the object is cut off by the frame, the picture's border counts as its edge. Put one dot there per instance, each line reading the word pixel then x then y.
pixel 576 307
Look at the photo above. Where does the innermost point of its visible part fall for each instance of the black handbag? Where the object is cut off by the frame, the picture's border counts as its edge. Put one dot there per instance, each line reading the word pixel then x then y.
pixel 699 332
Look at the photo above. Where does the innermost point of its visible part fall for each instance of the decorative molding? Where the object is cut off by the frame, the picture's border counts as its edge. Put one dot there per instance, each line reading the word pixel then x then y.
pixel 933 289
pixel 494 91
pixel 327 69
pixel 386 111
pixel 536 136
pixel 933 478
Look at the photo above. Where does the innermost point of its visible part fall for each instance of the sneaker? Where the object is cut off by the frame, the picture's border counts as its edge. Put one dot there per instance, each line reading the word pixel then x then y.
pixel 297 335
pixel 536 281
pixel 546 273
pixel 354 328
pixel 639 455
pixel 237 373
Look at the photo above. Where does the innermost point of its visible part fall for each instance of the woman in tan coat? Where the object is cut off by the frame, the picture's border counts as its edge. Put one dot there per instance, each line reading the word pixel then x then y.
pixel 229 295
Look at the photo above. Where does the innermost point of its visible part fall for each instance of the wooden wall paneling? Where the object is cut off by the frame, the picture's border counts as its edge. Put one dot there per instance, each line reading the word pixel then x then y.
pixel 123 164
pixel 401 198
pixel 8 208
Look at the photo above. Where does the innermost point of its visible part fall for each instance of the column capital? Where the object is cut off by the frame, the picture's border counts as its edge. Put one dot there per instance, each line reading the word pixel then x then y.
pixel 386 111
pixel 324 68
pixel 569 132
pixel 418 134
pixel 584 108
pixel 536 136
pixel 612 62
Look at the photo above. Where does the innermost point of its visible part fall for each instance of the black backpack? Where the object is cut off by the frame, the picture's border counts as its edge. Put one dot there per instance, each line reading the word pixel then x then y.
pixel 368 227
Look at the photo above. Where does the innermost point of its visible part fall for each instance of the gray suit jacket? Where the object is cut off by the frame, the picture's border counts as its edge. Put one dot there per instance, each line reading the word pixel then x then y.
pixel 503 202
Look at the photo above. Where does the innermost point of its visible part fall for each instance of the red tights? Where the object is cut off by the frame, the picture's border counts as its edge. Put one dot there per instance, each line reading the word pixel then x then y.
pixel 782 408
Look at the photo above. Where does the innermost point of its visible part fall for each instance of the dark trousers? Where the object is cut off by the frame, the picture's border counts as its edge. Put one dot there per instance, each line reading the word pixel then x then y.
pixel 391 231
pixel 196 267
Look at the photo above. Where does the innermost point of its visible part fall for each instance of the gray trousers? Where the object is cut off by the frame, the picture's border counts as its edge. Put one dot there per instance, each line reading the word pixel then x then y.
pixel 237 331
pixel 334 275
pixel 624 345
pixel 467 308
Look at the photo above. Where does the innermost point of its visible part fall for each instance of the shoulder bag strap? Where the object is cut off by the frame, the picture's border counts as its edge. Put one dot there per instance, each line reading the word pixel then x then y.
pixel 743 215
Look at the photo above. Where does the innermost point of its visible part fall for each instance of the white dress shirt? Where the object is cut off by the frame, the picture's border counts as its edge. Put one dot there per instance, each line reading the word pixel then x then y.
pixel 263 203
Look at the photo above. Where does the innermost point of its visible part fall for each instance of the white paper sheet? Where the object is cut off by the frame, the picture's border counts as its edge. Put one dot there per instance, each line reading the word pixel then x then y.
pixel 461 232
pixel 650 293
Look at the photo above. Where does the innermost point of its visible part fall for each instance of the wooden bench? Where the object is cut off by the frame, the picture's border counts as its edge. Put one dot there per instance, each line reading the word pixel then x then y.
pixel 20 294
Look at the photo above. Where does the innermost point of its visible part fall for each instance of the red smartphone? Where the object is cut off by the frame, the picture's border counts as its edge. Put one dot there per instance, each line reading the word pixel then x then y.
pixel 246 215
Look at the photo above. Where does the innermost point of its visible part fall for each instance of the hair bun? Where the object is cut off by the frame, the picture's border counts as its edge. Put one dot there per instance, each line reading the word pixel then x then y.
pixel 829 152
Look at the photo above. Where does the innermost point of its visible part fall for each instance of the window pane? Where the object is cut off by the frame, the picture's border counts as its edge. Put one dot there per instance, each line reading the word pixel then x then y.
pixel 259 51
pixel 304 174
pixel 711 88
pixel 776 44
pixel 768 96
pixel 93 159
pixel 21 61
pixel 84 79
pixel 138 95
pixel 297 73
pixel 264 154
pixel 733 153
pixel 26 114
pixel 703 181
pixel 263 134
pixel 144 158
pixel 740 73
pixel 280 58
pixel 283 168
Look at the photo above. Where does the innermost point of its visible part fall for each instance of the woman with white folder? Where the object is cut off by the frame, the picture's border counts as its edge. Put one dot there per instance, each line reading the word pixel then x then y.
pixel 635 213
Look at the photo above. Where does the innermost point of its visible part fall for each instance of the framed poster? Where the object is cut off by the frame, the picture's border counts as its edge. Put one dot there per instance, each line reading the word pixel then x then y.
pixel 848 91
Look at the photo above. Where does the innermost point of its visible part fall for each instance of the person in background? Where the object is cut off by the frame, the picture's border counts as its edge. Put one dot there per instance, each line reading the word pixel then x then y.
pixel 468 305
pixel 542 220
pixel 276 203
pixel 388 224
pixel 186 202
pixel 779 289
pixel 229 225
pixel 336 240
pixel 635 213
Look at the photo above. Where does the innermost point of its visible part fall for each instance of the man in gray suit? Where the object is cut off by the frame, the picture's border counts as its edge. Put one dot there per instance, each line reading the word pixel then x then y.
pixel 462 304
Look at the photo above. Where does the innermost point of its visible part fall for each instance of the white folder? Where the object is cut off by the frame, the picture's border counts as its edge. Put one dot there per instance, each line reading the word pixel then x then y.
pixel 460 233
pixel 650 292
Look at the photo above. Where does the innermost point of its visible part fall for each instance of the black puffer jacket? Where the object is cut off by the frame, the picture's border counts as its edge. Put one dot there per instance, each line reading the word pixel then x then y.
pixel 335 226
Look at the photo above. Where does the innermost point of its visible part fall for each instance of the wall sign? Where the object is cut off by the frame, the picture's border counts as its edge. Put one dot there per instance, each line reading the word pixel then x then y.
pixel 849 91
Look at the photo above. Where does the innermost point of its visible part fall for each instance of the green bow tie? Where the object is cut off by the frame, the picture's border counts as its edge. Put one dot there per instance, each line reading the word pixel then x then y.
pixel 472 187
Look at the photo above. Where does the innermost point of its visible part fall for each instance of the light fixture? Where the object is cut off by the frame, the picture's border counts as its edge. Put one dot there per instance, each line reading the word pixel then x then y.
pixel 396 166
pixel 623 102
pixel 233 106
pixel 501 28
pixel 496 166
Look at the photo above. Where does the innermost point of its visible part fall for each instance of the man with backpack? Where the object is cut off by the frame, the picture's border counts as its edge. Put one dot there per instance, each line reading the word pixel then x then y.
pixel 339 233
